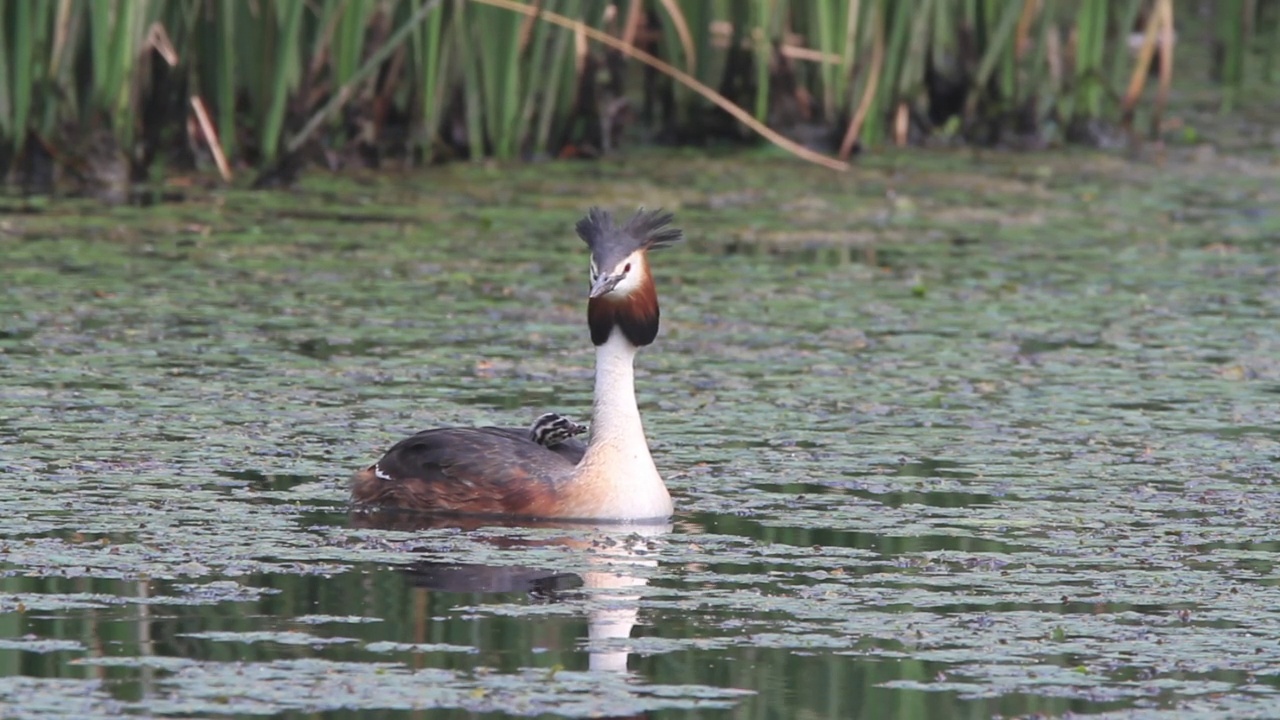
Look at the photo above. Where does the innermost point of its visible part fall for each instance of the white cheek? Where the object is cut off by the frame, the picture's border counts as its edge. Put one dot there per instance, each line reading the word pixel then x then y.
pixel 628 283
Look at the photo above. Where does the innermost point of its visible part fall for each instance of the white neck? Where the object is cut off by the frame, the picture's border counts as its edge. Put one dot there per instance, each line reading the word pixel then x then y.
pixel 619 477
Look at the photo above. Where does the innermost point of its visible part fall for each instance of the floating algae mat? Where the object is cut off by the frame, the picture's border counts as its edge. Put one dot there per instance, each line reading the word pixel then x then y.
pixel 949 437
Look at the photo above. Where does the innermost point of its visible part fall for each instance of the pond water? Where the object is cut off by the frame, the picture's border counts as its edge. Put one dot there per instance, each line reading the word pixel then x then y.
pixel 950 436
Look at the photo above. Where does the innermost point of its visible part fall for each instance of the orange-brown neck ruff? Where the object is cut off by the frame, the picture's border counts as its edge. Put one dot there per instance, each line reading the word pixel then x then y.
pixel 636 314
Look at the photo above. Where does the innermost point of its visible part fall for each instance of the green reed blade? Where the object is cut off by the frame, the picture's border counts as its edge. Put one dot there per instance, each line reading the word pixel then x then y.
pixel 764 29
pixel 898 41
pixel 1272 54
pixel 916 52
pixel 1232 37
pixel 538 75
pixel 65 45
pixel 999 46
pixel 338 98
pixel 498 34
pixel 348 46
pixel 824 33
pixel 22 31
pixel 473 100
pixel 283 78
pixel 223 69
pixel 434 69
pixel 557 93
pixel 697 17
pixel 1125 14
pixel 1091 33
pixel 1270 14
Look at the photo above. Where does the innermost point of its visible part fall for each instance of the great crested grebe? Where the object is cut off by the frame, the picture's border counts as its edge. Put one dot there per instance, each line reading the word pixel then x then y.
pixel 496 471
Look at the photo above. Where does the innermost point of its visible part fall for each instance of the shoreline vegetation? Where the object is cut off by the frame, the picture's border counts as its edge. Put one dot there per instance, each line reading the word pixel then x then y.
pixel 100 97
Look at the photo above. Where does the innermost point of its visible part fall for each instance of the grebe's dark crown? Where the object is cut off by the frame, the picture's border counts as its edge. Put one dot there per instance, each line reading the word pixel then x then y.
pixel 610 244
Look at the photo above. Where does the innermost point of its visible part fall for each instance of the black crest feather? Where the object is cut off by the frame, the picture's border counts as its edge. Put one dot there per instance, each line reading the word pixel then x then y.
pixel 610 244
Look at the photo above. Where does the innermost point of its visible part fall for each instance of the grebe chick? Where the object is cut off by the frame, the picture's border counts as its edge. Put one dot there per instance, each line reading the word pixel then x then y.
pixel 556 433
pixel 493 471
pixel 552 429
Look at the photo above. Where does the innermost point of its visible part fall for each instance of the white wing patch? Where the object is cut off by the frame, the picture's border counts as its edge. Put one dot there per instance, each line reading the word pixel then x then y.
pixel 377 472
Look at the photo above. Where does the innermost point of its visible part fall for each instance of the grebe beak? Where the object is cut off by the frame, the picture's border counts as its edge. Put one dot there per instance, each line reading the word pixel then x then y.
pixel 604 284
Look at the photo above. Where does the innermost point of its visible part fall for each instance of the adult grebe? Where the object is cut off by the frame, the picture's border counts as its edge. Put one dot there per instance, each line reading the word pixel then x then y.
pixel 495 471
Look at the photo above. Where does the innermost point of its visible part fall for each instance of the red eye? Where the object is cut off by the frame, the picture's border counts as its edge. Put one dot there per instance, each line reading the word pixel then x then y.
pixel 627 269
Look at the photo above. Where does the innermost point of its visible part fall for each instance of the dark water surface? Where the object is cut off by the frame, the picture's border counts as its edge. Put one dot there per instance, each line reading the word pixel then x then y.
pixel 949 438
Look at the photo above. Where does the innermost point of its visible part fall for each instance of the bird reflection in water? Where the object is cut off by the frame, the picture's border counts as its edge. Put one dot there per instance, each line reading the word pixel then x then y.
pixel 618 554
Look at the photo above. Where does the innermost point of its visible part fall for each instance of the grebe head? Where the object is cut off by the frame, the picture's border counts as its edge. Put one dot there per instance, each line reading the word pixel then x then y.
pixel 622 293
pixel 551 429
